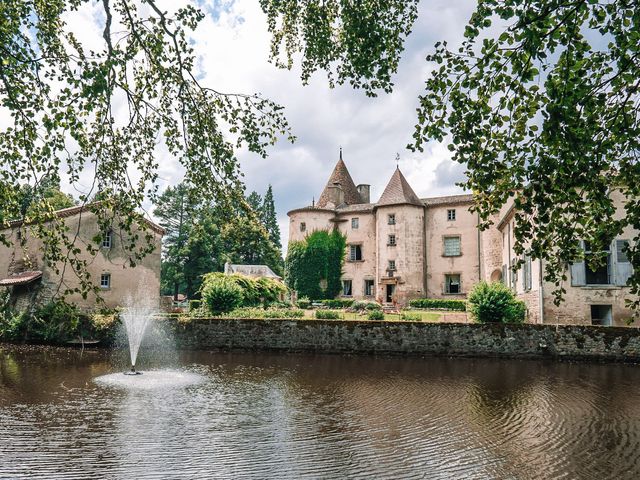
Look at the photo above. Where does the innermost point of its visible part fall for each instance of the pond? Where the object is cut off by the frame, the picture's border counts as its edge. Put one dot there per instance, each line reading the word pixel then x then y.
pixel 272 415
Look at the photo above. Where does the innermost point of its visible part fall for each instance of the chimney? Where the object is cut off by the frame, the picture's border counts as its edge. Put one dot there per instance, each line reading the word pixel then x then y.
pixel 365 192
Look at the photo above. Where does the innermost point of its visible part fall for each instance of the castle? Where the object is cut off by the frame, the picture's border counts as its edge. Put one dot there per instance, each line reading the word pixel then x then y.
pixel 403 247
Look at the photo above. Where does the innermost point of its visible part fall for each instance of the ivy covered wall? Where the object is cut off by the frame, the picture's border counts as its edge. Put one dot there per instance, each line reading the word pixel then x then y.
pixel 313 266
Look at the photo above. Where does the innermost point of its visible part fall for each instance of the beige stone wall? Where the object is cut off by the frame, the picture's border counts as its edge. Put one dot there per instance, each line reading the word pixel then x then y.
pixel 467 265
pixel 365 236
pixel 408 252
pixel 125 280
pixel 313 219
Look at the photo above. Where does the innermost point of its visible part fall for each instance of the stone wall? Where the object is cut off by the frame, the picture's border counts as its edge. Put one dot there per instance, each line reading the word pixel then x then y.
pixel 552 341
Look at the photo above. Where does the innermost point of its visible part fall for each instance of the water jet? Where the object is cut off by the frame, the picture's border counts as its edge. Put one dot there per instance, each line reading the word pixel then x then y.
pixel 133 371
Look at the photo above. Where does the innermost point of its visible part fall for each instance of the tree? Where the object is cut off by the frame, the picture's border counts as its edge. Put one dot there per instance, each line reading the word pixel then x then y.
pixel 255 202
pixel 175 209
pixel 269 218
pixel 246 241
pixel 546 109
pixel 103 106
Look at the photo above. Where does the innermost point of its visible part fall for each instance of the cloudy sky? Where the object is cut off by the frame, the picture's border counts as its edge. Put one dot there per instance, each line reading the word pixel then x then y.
pixel 232 44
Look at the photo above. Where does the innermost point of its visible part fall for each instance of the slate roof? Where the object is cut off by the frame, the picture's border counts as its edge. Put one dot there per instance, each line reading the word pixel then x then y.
pixel 340 176
pixel 447 200
pixel 399 192
pixel 251 270
pixel 21 278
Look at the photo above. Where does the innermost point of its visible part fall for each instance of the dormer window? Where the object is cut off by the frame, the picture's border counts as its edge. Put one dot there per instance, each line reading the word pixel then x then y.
pixel 107 239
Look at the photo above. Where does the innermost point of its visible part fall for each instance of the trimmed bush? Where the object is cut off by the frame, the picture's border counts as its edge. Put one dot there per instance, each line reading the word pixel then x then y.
pixel 328 315
pixel 411 316
pixel 304 302
pixel 375 315
pixel 221 293
pixel 439 304
pixel 364 305
pixel 338 303
pixel 494 303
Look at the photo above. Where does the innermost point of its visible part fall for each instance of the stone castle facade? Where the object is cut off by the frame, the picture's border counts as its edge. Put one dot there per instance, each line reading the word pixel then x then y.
pixel 403 247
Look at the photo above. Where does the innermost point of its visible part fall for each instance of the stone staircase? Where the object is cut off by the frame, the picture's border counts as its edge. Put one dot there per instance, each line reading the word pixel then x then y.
pixel 390 308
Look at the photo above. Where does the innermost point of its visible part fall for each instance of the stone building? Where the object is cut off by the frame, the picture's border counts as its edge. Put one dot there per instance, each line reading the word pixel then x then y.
pixel 403 247
pixel 32 282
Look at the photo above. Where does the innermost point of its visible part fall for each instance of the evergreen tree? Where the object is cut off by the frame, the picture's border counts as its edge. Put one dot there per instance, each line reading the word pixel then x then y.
pixel 255 202
pixel 269 218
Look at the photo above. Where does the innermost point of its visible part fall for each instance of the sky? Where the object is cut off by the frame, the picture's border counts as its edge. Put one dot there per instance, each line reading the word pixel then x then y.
pixel 233 45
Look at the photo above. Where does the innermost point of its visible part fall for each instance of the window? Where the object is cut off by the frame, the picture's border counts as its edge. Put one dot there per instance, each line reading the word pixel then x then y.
pixel 615 269
pixel 303 227
pixel 452 283
pixel 514 274
pixel 504 275
pixel 105 281
pixel 451 214
pixel 526 274
pixel 369 287
pixel 346 288
pixel 451 246
pixel 107 239
pixel 391 219
pixel 601 315
pixel 355 223
pixel 391 241
pixel 355 253
pixel 601 275
pixel 391 265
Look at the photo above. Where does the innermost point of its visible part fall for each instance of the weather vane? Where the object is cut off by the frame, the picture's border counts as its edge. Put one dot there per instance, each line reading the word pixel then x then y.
pixel 397 160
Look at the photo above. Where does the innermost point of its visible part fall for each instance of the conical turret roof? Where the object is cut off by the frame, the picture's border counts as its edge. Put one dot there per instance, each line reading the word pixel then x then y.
pixel 340 176
pixel 399 192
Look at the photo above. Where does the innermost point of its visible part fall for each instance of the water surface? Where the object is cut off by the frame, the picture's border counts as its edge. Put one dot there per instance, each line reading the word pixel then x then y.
pixel 315 416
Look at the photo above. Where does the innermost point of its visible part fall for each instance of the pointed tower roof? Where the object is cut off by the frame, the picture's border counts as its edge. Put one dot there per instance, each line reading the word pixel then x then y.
pixel 399 192
pixel 342 177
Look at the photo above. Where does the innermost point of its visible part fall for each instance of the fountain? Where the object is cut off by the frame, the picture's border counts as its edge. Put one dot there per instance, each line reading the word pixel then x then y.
pixel 138 310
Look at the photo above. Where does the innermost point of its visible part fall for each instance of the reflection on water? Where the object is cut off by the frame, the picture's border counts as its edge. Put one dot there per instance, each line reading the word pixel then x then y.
pixel 314 416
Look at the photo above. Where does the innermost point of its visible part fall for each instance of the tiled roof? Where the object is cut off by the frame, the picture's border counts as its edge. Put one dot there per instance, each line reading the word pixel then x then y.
pixel 71 211
pixel 398 192
pixel 447 200
pixel 342 177
pixel 360 207
pixel 21 278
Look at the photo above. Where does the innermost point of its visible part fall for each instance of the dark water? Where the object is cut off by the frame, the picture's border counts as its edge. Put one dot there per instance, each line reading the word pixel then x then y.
pixel 313 416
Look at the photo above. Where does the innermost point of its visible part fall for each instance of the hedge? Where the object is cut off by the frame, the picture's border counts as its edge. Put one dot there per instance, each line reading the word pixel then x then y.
pixel 338 303
pixel 439 304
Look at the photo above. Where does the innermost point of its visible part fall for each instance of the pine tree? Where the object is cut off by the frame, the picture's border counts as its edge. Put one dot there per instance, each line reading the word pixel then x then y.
pixel 255 201
pixel 269 218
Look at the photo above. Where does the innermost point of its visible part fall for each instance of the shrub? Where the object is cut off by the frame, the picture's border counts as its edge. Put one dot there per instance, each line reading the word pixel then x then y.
pixel 495 302
pixel 328 315
pixel 304 302
pixel 365 305
pixel 337 303
pixel 411 316
pixel 221 293
pixel 375 315
pixel 249 312
pixel 439 304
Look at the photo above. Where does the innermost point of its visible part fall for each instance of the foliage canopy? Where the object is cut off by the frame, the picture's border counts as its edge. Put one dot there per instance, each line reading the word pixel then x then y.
pixel 541 101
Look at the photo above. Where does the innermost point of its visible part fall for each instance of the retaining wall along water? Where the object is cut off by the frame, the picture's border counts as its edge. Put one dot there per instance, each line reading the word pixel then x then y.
pixel 563 341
